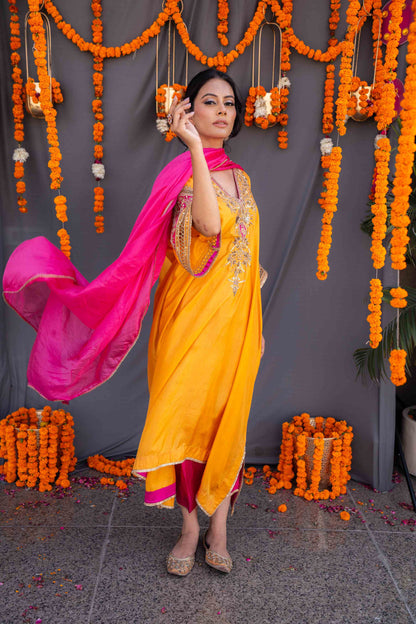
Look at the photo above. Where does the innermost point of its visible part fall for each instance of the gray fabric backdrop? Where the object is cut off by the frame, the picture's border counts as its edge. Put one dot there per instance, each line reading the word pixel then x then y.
pixel 311 327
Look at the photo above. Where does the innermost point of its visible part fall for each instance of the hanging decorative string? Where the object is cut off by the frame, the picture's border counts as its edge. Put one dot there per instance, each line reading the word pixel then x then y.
pixel 222 28
pixel 331 161
pixel 267 108
pixel 20 155
pixel 98 169
pixel 166 92
pixel 401 191
pixel 40 53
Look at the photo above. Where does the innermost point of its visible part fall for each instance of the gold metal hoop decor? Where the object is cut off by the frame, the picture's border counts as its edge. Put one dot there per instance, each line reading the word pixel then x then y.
pixel 162 108
pixel 34 107
pixel 358 116
pixel 267 96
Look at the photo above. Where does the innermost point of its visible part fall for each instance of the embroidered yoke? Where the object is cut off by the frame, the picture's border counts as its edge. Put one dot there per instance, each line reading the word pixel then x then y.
pixel 204 353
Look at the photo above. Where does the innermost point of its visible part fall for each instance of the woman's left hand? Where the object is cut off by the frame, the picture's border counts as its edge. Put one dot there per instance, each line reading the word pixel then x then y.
pixel 263 344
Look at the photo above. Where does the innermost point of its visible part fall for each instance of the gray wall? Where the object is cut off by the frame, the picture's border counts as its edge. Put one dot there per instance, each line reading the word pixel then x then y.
pixel 311 327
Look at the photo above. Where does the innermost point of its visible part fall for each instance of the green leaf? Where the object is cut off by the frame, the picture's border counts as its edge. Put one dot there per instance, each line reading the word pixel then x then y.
pixel 373 362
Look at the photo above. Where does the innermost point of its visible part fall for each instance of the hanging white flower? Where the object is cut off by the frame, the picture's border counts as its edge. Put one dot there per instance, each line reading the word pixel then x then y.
pixel 326 146
pixel 284 83
pixel 20 154
pixel 260 107
pixel 377 138
pixel 162 125
pixel 98 171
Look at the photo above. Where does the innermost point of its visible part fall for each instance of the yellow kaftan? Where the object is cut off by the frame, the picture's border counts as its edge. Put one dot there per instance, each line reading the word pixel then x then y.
pixel 204 349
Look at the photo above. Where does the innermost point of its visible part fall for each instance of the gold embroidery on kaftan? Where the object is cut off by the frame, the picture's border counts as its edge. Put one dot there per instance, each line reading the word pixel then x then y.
pixel 244 208
pixel 181 236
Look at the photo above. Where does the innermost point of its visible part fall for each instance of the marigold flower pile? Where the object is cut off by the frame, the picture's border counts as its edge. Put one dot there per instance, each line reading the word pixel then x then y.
pixel 38 451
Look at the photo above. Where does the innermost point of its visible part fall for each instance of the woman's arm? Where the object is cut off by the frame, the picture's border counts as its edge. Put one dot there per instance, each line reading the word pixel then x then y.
pixel 205 212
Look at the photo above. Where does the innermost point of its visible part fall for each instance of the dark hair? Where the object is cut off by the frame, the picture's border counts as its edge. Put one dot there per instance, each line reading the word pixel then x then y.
pixel 201 78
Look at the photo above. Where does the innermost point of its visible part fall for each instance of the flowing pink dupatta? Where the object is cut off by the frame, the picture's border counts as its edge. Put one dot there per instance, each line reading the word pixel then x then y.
pixel 85 329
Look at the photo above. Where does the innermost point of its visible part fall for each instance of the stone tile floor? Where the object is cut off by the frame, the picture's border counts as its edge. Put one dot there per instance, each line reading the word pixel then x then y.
pixel 94 555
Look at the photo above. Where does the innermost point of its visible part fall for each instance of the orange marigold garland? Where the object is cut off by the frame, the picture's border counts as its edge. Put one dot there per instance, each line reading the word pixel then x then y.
pixel 293 452
pixel 98 169
pixel 40 46
pixel 401 191
pixel 374 318
pixel 20 155
pixel 386 103
pixel 397 360
pixel 345 71
pixel 379 206
pixel 398 299
pixel 328 107
pixel 221 61
pixel 330 160
pixel 222 28
pixel 110 52
pixel 404 157
pixel 36 446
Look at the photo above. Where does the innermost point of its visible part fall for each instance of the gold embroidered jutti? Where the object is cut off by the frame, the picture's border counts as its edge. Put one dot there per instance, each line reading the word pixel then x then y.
pixel 204 351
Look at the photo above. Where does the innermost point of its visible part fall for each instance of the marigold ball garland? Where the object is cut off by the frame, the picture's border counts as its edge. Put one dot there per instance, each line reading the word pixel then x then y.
pixel 401 191
pixel 404 157
pixel 345 72
pixel 221 61
pixel 379 207
pixel 398 299
pixel 328 201
pixel 222 28
pixel 98 169
pixel 37 451
pixel 397 360
pixel 374 318
pixel 328 107
pixel 111 52
pixel 20 155
pixel 39 40
pixel 386 103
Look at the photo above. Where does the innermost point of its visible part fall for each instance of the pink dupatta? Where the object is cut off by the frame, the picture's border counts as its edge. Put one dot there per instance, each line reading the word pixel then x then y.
pixel 86 329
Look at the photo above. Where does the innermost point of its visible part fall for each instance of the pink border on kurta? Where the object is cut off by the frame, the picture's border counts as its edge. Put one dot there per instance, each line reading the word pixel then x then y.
pixel 188 479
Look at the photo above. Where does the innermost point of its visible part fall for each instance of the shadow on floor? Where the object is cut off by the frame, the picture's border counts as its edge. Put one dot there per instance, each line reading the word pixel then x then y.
pixel 94 555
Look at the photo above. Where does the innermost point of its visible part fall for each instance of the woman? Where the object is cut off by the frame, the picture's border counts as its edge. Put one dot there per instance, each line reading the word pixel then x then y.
pixel 206 341
pixel 198 232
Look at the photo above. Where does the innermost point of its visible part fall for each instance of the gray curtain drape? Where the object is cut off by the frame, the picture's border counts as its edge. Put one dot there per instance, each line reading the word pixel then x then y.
pixel 311 327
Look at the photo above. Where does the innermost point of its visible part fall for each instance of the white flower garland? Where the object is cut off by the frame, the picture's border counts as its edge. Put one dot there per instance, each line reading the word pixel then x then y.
pixel 20 154
pixel 284 82
pixel 377 138
pixel 260 107
pixel 162 125
pixel 326 146
pixel 98 171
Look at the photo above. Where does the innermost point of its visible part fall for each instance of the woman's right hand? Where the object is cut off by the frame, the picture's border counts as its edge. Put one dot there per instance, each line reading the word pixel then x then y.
pixel 182 124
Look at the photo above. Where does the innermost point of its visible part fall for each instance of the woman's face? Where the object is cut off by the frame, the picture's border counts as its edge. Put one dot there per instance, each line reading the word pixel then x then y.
pixel 215 112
